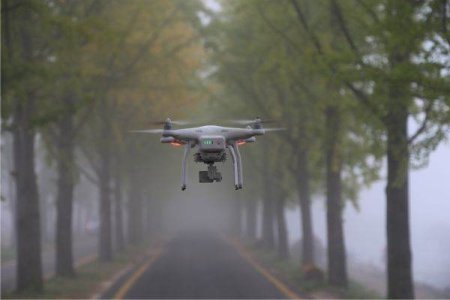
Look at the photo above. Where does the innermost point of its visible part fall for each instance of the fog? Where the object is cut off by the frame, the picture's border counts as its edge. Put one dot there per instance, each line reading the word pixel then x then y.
pixel 322 98
pixel 201 206
pixel 430 222
pixel 206 207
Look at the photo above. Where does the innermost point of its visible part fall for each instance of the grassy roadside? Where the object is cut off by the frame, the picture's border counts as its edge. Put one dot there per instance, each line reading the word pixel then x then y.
pixel 88 279
pixel 291 272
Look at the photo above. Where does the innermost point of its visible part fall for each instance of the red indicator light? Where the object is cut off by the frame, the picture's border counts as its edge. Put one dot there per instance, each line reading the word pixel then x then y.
pixel 241 142
pixel 176 144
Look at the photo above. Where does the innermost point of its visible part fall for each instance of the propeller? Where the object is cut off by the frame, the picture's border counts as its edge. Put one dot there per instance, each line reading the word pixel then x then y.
pixel 155 131
pixel 176 122
pixel 274 129
pixel 254 121
pixel 167 126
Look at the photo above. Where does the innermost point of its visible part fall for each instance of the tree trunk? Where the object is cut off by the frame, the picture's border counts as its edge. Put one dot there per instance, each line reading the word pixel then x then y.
pixel 400 282
pixel 134 211
pixel 118 213
pixel 337 267
pixel 305 208
pixel 250 211
pixel 45 238
pixel 267 220
pixel 104 178
pixel 399 257
pixel 267 217
pixel 283 247
pixel 105 243
pixel 64 201
pixel 29 264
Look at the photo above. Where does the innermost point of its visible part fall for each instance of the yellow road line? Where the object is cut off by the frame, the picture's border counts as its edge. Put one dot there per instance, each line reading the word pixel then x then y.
pixel 272 279
pixel 120 294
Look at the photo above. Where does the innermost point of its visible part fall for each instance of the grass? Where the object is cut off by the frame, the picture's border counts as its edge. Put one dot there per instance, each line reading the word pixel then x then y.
pixel 291 271
pixel 85 283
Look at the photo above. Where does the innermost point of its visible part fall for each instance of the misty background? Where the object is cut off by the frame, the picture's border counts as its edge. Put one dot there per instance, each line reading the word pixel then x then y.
pixel 344 79
pixel 430 228
pixel 205 206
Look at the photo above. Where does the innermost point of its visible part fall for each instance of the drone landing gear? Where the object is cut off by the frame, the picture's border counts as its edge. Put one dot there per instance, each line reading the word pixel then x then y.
pixel 187 148
pixel 237 166
pixel 211 175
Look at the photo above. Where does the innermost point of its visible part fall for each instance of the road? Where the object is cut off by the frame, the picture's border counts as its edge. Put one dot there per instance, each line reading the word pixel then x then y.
pixel 84 249
pixel 199 266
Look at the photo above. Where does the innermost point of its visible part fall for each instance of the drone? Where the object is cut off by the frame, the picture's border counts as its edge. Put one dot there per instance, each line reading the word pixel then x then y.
pixel 212 142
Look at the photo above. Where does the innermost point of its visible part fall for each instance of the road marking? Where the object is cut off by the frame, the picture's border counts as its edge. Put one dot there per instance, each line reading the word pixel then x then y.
pixel 120 294
pixel 284 289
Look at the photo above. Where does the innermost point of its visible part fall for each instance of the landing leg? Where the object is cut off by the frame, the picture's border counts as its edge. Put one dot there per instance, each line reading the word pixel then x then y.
pixel 235 170
pixel 239 165
pixel 187 148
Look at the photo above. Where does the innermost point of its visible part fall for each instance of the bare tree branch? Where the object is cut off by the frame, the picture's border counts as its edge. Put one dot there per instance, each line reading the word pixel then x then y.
pixel 424 124
pixel 280 32
pixel 359 94
pixel 344 28
pixel 369 11
pixel 149 43
pixel 445 7
pixel 301 18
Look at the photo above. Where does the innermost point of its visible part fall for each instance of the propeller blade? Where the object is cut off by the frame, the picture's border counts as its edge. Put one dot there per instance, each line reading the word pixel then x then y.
pixel 154 131
pixel 176 122
pixel 182 122
pixel 274 129
pixel 250 122
pixel 241 122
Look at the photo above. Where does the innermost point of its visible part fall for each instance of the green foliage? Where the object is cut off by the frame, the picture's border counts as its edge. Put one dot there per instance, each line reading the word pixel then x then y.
pixel 133 61
pixel 269 63
pixel 266 65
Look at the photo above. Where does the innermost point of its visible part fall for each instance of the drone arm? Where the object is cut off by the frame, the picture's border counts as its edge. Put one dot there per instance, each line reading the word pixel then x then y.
pixel 239 165
pixel 187 148
pixel 235 168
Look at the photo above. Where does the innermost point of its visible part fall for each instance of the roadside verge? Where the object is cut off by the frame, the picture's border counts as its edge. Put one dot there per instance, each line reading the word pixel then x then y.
pixel 93 278
pixel 286 288
pixel 290 273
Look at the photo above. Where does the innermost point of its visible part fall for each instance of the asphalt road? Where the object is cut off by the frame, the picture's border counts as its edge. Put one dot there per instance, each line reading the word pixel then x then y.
pixel 83 248
pixel 197 266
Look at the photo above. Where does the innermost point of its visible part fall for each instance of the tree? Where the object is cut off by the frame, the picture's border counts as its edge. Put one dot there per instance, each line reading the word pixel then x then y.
pixel 281 73
pixel 394 76
pixel 22 37
pixel 152 54
pixel 71 105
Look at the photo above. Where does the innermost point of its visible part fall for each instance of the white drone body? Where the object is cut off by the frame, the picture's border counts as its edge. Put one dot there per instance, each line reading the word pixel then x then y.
pixel 212 142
